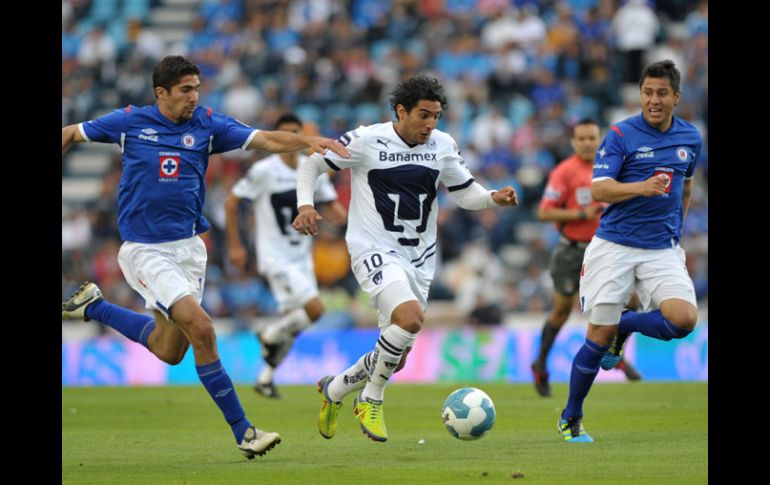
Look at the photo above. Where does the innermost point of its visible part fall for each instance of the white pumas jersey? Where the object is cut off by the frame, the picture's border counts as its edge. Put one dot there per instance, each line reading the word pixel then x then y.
pixel 393 205
pixel 272 185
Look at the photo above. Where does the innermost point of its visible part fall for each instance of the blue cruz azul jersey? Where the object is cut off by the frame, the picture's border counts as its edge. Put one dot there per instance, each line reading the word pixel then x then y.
pixel 634 151
pixel 162 187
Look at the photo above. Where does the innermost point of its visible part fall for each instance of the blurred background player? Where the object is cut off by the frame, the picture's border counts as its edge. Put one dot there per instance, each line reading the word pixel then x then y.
pixel 283 256
pixel 396 168
pixel 165 151
pixel 567 201
pixel 643 169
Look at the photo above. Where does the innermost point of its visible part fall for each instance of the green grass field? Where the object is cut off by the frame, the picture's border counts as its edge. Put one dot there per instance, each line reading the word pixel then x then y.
pixel 644 432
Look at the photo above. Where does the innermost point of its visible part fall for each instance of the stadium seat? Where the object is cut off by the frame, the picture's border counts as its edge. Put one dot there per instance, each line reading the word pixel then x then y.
pixel 309 112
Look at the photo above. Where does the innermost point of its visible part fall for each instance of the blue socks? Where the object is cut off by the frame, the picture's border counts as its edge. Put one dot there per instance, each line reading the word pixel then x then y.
pixel 134 326
pixel 220 387
pixel 651 324
pixel 585 366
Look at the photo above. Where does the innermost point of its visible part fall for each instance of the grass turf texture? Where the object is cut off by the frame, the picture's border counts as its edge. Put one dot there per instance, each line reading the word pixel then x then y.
pixel 645 433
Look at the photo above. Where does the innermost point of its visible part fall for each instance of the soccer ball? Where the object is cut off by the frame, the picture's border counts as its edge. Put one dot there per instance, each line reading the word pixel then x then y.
pixel 468 413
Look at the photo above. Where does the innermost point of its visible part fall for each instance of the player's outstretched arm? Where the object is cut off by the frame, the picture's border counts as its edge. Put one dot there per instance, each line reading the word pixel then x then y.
pixel 557 214
pixel 70 134
pixel 612 191
pixel 476 197
pixel 284 141
pixel 307 174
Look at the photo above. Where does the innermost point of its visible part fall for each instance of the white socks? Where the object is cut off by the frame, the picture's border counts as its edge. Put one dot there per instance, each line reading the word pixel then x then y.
pixel 385 358
pixel 352 379
pixel 267 374
pixel 289 325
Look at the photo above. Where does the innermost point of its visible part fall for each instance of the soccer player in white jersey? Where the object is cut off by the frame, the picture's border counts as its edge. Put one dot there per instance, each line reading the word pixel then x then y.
pixel 165 151
pixel 284 256
pixel 396 168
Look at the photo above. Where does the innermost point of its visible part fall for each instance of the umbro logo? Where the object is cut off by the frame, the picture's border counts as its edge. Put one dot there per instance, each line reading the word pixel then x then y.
pixel 383 142
pixel 644 149
pixel 149 134
pixel 223 392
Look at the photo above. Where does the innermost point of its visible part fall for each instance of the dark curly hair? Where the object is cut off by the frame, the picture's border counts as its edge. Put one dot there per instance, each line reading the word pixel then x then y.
pixel 415 89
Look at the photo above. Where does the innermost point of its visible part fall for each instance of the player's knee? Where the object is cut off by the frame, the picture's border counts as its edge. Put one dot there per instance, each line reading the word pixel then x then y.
pixel 172 356
pixel 202 335
pixel 685 318
pixel 410 321
pixel 173 359
pixel 601 335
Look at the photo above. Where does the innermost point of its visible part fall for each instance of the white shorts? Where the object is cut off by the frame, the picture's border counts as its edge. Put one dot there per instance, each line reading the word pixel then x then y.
pixel 378 270
pixel 164 273
pixel 293 285
pixel 611 271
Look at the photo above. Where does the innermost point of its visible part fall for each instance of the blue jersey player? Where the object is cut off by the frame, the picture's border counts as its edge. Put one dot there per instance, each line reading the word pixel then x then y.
pixel 165 150
pixel 643 169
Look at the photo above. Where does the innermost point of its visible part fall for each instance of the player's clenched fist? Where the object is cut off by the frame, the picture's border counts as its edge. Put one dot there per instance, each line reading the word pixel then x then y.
pixel 305 222
pixel 506 196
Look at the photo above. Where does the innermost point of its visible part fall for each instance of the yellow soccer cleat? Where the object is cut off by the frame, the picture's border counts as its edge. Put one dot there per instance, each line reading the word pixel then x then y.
pixel 330 410
pixel 369 414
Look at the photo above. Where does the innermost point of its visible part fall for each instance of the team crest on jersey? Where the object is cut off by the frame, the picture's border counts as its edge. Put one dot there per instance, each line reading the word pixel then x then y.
pixel 377 278
pixel 682 154
pixel 432 145
pixel 669 174
pixel 188 140
pixel 169 167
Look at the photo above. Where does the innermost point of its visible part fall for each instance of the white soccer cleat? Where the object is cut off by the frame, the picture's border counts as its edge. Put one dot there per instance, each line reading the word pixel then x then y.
pixel 75 306
pixel 257 442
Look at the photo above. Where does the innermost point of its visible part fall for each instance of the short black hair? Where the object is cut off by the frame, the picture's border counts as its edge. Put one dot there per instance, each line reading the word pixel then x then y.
pixel 415 89
pixel 583 121
pixel 170 70
pixel 663 69
pixel 287 118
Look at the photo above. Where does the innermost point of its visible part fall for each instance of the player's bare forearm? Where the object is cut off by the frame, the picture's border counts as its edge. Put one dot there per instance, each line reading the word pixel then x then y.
pixel 283 141
pixel 555 214
pixel 686 195
pixel 70 134
pixel 612 191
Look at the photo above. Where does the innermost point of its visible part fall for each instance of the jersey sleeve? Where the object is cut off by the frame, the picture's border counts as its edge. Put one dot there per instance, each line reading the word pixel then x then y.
pixel 324 191
pixel 556 190
pixel 353 140
pixel 252 184
pixel 609 157
pixel 230 134
pixel 696 155
pixel 455 174
pixel 107 128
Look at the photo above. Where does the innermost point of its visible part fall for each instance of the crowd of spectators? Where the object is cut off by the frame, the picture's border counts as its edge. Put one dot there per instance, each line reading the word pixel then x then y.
pixel 517 73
